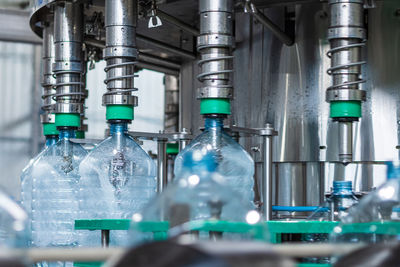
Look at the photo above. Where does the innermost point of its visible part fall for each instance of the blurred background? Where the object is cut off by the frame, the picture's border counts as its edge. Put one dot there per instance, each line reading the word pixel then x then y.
pixel 20 101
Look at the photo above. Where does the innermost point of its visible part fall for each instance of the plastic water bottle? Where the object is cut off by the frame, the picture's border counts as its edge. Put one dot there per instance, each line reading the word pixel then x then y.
pixel 13 224
pixel 234 164
pixel 55 177
pixel 376 210
pixel 199 193
pixel 335 208
pixel 117 179
pixel 26 178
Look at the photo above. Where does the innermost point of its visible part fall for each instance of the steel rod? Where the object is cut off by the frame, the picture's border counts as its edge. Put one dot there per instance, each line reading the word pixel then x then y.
pixel 162 165
pixel 258 15
pixel 267 177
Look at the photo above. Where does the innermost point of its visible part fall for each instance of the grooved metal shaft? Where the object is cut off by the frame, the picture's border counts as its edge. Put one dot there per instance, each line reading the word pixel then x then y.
pixel 68 66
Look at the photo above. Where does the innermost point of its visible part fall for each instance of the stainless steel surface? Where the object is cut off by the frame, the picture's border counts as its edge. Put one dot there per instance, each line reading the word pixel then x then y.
pixel 166 47
pixel 249 7
pixel 214 44
pixel 345 142
pixel 267 178
pixel 162 161
pixel 68 66
pixel 171 118
pixel 48 80
pixel 346 36
pixel 180 24
pixel 13 27
pixel 120 52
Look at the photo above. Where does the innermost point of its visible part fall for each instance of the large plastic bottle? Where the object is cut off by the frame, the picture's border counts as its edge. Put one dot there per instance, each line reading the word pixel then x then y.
pixel 117 179
pixel 13 232
pixel 379 212
pixel 198 194
pixel 335 208
pixel 337 205
pixel 234 164
pixel 26 177
pixel 55 178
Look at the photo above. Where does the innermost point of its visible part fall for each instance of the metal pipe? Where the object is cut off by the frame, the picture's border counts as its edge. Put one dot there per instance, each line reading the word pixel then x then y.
pixel 105 238
pixel 267 177
pixel 180 24
pixel 345 142
pixel 166 47
pixel 162 177
pixel 260 17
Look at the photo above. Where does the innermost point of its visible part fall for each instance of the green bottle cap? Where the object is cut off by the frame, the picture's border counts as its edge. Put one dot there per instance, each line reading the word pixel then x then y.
pixel 119 112
pixel 215 106
pixel 345 109
pixel 67 119
pixel 50 129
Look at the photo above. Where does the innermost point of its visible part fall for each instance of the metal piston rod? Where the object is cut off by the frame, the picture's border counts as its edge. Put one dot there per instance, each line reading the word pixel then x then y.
pixel 347 37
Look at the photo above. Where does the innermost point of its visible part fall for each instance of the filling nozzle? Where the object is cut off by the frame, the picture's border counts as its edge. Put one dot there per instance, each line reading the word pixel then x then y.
pixel 345 142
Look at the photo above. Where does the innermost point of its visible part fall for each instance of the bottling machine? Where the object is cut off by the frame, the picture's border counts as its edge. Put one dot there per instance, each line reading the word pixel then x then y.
pixel 311 85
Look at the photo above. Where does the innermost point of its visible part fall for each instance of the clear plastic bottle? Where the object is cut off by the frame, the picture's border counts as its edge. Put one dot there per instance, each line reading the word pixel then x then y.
pixel 26 178
pixel 379 212
pixel 234 164
pixel 335 208
pixel 199 193
pixel 123 174
pixel 55 177
pixel 337 205
pixel 13 224
pixel 13 232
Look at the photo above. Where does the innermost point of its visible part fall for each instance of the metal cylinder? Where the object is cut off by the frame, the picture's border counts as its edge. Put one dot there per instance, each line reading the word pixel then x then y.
pixel 68 66
pixel 162 161
pixel 215 44
pixel 120 52
pixel 345 142
pixel 267 177
pixel 48 80
pixel 347 36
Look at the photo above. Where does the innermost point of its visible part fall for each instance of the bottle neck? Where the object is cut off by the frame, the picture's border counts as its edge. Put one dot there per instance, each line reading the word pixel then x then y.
pixel 51 140
pixel 66 134
pixel 118 128
pixel 342 188
pixel 213 123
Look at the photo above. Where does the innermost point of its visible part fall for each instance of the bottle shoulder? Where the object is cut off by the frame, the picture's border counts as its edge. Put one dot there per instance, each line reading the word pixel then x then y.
pixel 130 149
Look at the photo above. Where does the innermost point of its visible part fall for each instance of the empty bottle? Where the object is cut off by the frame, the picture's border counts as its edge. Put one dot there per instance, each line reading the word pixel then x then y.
pixel 13 232
pixel 199 194
pixel 55 177
pixel 234 164
pixel 26 177
pixel 123 174
pixel 13 224
pixel 335 208
pixel 378 211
